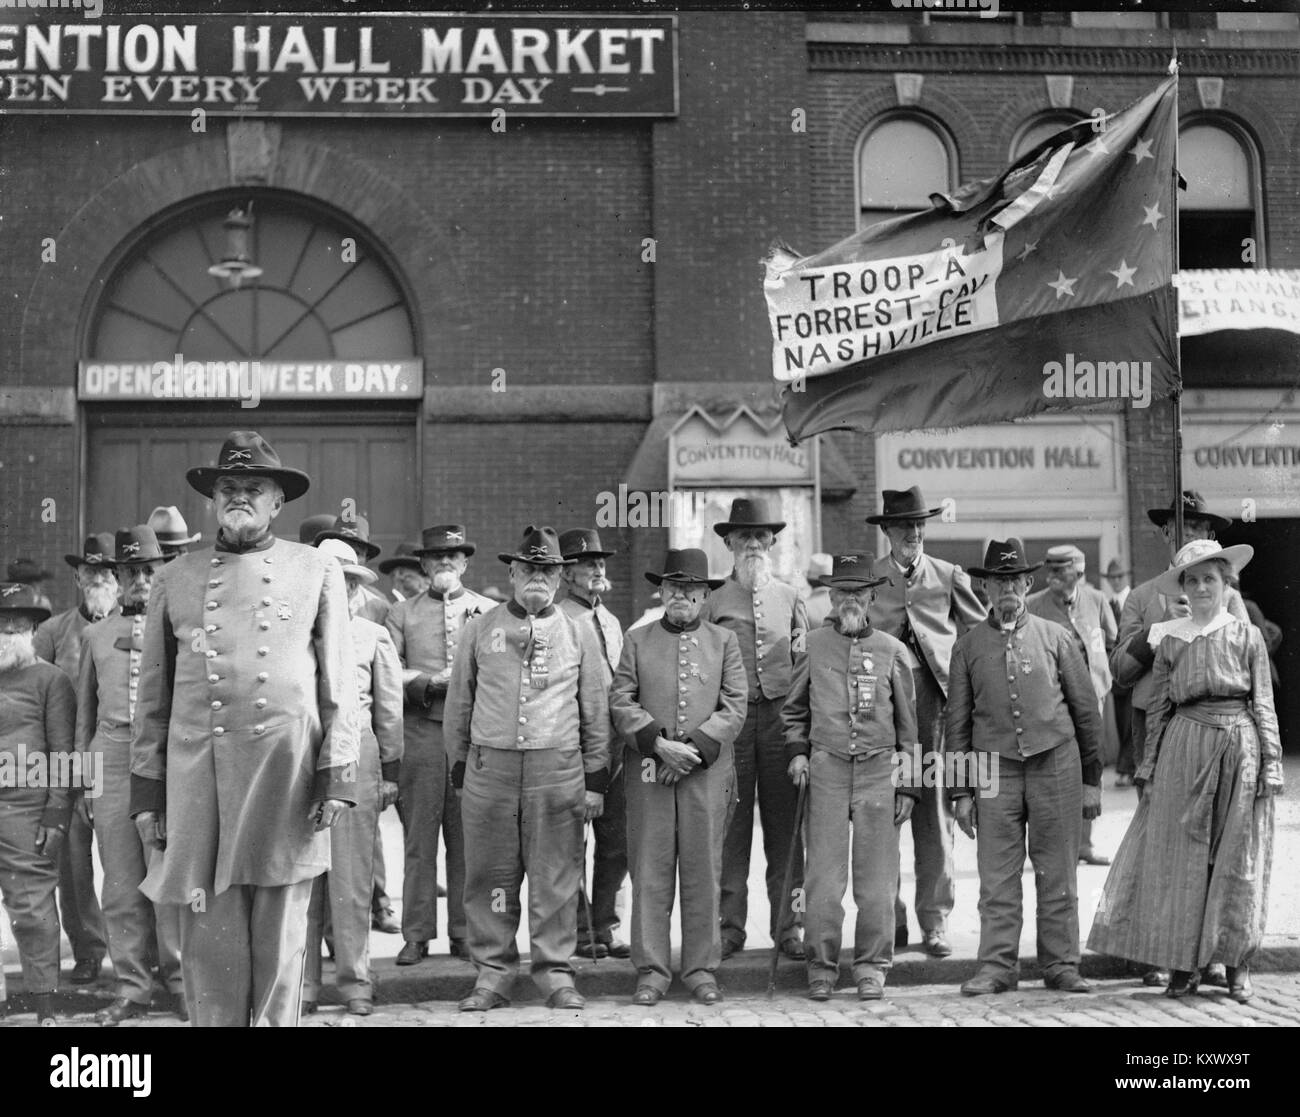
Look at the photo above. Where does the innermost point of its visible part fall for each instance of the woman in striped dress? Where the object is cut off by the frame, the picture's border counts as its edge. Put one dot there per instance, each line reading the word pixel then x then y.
pixel 1189 885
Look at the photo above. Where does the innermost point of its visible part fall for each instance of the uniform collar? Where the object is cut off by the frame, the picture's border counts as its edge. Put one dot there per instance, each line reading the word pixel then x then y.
pixel 134 610
pixel 517 610
pixel 265 543
pixel 438 595
pixel 86 616
pixel 585 602
pixel 675 629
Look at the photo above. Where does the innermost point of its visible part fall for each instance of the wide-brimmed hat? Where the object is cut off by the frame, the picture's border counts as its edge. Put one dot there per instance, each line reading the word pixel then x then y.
pixel 1065 554
pixel 445 537
pixel 248 452
pixel 540 546
pixel 907 504
pixel 312 526
pixel 404 556
pixel 1114 569
pixel 353 529
pixel 342 550
pixel 1004 557
pixel 750 513
pixel 170 527
pixel 850 572
pixel 25 570
pixel 582 543
pixel 688 565
pixel 134 546
pixel 22 598
pixel 1198 551
pixel 1194 508
pixel 97 551
pixel 819 565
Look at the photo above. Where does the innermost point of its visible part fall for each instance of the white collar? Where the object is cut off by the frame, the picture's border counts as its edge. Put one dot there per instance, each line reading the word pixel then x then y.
pixel 1186 630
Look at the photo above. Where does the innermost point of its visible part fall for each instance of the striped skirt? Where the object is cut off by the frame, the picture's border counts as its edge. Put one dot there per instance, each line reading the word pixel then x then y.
pixel 1189 885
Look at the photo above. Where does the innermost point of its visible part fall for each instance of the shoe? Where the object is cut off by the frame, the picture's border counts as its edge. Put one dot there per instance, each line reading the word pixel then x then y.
pixel 1180 984
pixel 900 936
pixel 1239 987
pixel 121 1009
pixel 1124 781
pixel 1067 981
pixel 729 948
pixel 43 1003
pixel 385 921
pixel 412 952
pixel 647 995
pixel 360 1006
pixel 592 950
pixel 179 1007
pixel 990 981
pixel 617 948
pixel 820 990
pixel 459 949
pixel 566 997
pixel 793 949
pixel 871 989
pixel 307 1008
pixel 707 994
pixel 1091 858
pixel 1156 977
pixel 1215 975
pixel 936 944
pixel 86 971
pixel 482 1000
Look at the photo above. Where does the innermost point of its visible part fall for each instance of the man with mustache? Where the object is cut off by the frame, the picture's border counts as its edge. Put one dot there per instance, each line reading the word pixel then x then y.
pixel 409 579
pixel 107 690
pixel 58 641
pixel 37 709
pixel 926 604
pixel 770 622
pixel 527 727
pixel 1019 691
pixel 679 698
pixel 427 630
pixel 585 582
pixel 245 741
pixel 849 721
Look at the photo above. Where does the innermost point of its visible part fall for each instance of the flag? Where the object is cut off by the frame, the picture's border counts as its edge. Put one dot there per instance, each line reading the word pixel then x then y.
pixel 1046 288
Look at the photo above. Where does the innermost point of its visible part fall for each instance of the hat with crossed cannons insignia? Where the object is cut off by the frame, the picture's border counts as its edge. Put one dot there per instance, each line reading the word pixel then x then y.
pixel 540 546
pixel 249 453
pixel 96 551
pixel 583 543
pixel 354 530
pixel 136 546
pixel 1004 558
pixel 445 537
pixel 22 599
pixel 850 572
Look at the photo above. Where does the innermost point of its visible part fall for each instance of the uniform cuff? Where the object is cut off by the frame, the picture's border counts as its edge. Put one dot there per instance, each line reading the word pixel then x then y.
pixel 1092 774
pixel 458 775
pixel 646 737
pixel 336 783
pixel 390 770
pixel 797 748
pixel 148 795
pixel 597 781
pixel 708 747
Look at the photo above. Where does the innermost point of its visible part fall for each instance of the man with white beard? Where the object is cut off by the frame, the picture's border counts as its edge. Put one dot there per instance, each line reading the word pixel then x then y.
pixel 58 641
pixel 770 622
pixel 37 710
pixel 426 631
pixel 849 720
pixel 586 583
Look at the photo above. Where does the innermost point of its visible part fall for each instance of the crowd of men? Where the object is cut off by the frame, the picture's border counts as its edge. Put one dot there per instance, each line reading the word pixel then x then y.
pixel 253 706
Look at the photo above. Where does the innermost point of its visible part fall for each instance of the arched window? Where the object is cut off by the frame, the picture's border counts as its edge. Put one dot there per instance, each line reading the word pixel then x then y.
pixel 1035 131
pixel 902 160
pixel 324 292
pixel 1217 212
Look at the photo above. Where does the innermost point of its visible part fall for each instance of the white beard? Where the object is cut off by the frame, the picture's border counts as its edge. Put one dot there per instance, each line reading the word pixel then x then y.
pixel 16 650
pixel 99 600
pixel 445 581
pixel 852 620
pixel 754 571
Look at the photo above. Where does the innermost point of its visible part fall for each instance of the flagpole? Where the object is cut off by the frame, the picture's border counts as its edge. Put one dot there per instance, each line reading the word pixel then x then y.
pixel 1177 398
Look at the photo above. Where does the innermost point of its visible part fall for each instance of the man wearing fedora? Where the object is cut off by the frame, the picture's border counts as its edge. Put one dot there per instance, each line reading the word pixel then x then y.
pixel 409 579
pixel 1020 696
pixel 679 697
pixel 171 531
pixel 1083 612
pixel 39 708
pixel 345 891
pixel 527 730
pixel 585 582
pixel 107 691
pixel 354 530
pixel 426 631
pixel 850 728
pixel 58 641
pixel 245 742
pixel 925 604
pixel 770 623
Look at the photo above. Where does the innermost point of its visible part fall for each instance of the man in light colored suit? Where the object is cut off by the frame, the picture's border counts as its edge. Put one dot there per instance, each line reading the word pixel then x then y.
pixel 927 604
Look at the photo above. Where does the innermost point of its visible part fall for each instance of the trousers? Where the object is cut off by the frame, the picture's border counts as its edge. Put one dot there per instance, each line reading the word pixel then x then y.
pixel 609 865
pixel 523 815
pixel 27 883
pixel 83 919
pixel 427 805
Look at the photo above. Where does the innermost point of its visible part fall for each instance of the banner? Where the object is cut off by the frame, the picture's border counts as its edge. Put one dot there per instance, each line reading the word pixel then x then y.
pixel 1211 300
pixel 179 380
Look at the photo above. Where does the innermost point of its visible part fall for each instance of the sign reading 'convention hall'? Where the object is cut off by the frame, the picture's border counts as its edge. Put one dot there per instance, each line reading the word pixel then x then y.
pixel 342 66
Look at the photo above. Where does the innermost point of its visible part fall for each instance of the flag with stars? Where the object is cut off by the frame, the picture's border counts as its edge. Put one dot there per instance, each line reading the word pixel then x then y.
pixel 1046 288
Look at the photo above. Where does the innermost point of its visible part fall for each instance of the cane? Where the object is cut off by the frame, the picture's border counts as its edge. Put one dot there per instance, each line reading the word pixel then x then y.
pixel 586 903
pixel 799 806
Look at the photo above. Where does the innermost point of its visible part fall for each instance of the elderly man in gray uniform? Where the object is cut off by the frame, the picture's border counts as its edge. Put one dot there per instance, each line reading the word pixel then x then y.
pixel 58 641
pixel 680 696
pixel 770 623
pixel 527 729
pixel 925 604
pixel 245 741
pixel 585 581
pixel 1019 695
pixel 107 691
pixel 426 631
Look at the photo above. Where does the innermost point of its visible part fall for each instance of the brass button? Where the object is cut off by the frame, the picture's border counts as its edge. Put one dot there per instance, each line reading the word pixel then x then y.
pixel 519 740
pixel 682 702
pixel 523 721
pixel 260 703
pixel 135 671
pixel 266 577
pixel 210 605
pixel 264 625
pixel 209 628
pixel 682 675
pixel 218 731
pixel 263 650
pixel 210 654
pixel 214 678
pixel 259 729
pixel 262 676
pixel 1019 730
pixel 268 560
pixel 1015 713
pixel 217 704
pixel 216 562
pixel 266 601
pixel 214 583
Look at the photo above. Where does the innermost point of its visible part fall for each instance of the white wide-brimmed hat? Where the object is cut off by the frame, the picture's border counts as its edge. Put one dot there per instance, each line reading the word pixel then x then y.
pixel 347 557
pixel 1198 551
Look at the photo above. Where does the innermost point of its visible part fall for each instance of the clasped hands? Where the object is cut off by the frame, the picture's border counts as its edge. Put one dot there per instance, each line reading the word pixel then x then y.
pixel 678 759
